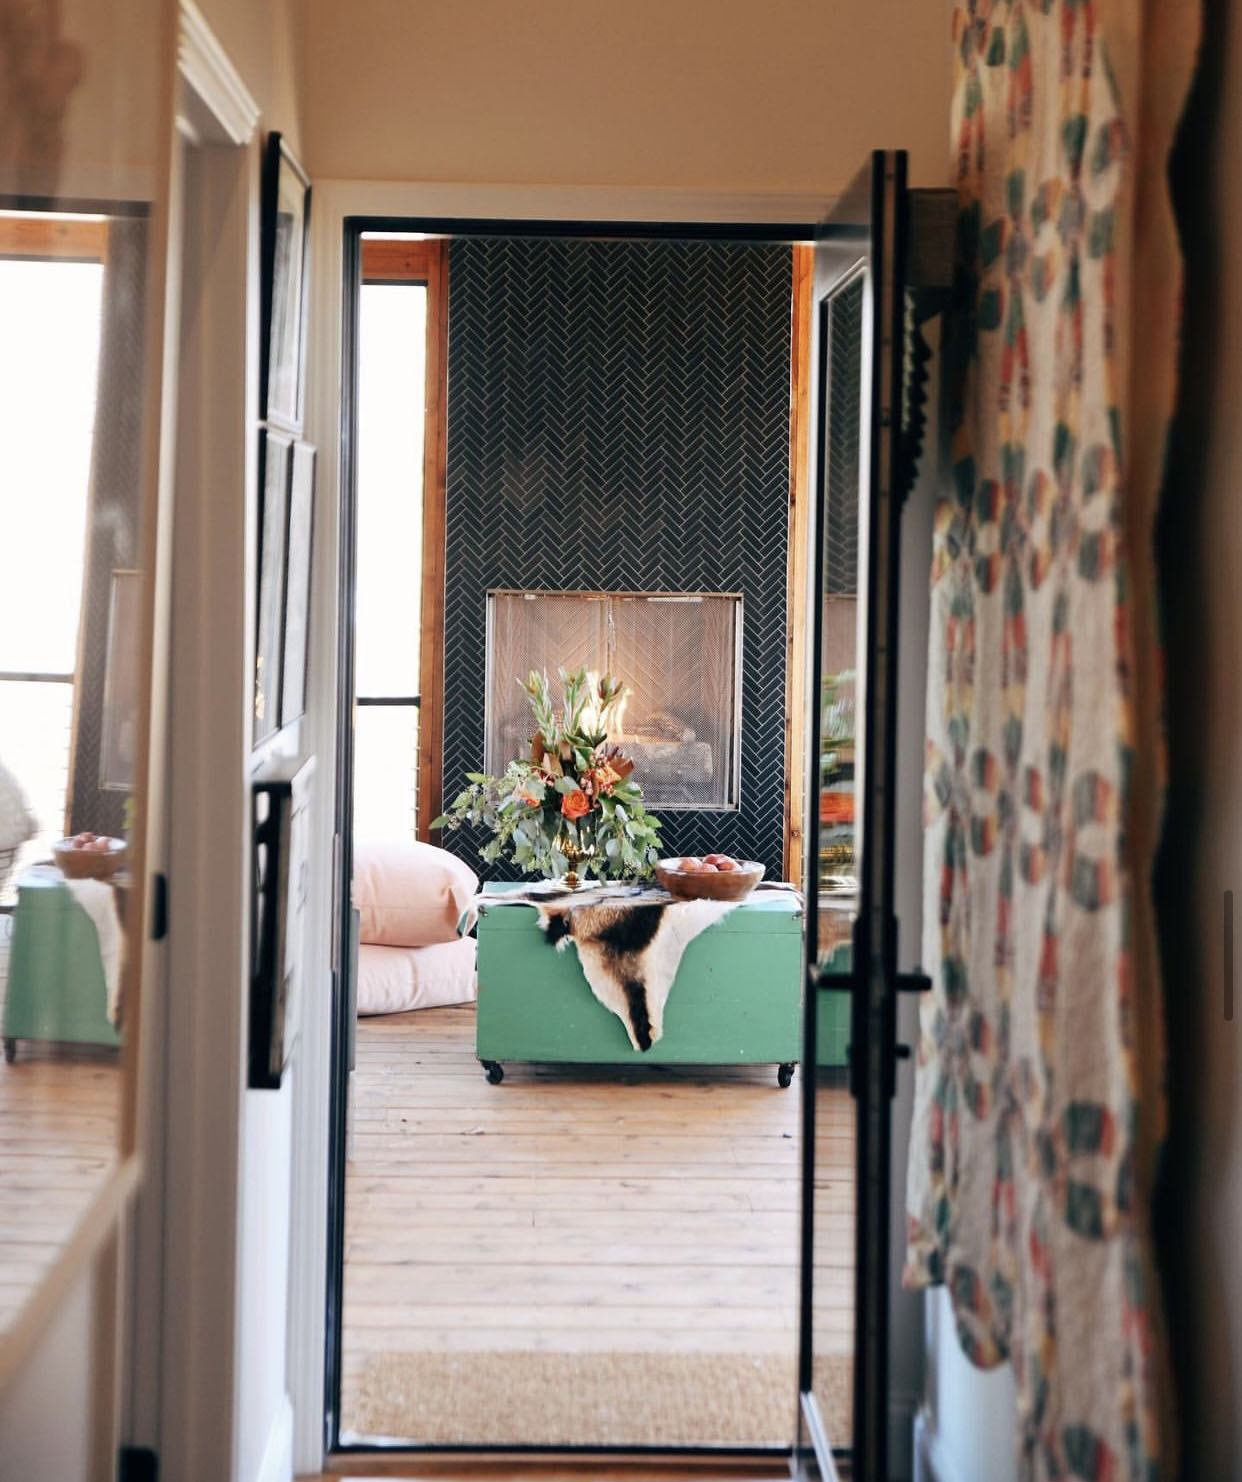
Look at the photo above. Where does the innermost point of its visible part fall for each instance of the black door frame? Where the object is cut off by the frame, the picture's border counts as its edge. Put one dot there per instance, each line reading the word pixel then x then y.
pixel 870 227
pixel 342 1006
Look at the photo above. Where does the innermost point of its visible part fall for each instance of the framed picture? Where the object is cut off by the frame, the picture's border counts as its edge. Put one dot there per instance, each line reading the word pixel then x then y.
pixel 118 742
pixel 286 220
pixel 297 584
pixel 275 461
pixel 280 871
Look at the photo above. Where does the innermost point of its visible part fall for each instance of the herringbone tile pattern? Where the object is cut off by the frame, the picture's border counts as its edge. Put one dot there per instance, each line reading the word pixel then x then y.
pixel 618 419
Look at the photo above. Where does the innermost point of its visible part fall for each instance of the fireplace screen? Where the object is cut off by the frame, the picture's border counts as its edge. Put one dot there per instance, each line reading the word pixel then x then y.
pixel 679 656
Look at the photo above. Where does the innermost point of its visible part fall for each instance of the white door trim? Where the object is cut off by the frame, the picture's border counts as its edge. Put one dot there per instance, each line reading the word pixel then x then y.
pixel 211 87
pixel 182 1400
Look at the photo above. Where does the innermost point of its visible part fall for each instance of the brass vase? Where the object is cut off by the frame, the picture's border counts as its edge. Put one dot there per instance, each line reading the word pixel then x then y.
pixel 575 852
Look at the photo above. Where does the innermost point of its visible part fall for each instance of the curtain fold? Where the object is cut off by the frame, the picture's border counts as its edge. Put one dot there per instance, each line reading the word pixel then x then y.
pixel 1038 1101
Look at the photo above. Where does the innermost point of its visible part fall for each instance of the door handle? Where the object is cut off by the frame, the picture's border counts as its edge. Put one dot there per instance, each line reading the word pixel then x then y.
pixel 916 982
pixel 833 982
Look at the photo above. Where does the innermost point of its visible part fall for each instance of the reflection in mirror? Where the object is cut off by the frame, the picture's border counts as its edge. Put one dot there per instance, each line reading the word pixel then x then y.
pixel 71 398
pixel 838 839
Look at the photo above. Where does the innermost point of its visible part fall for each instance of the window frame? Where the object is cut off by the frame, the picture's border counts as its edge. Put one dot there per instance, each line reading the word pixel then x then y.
pixel 423 262
pixel 35 236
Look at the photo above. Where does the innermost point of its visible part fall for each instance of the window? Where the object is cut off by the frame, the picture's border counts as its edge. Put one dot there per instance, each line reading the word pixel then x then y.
pixel 398 358
pixel 51 307
pixel 679 657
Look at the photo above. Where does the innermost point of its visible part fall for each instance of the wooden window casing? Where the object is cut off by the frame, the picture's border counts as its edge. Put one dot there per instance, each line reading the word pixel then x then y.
pixel 386 260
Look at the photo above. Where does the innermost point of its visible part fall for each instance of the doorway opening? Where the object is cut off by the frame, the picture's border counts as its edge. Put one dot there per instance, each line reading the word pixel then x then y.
pixel 587 1252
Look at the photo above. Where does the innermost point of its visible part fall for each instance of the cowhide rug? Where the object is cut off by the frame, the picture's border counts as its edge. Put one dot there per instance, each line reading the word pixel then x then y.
pixel 629 939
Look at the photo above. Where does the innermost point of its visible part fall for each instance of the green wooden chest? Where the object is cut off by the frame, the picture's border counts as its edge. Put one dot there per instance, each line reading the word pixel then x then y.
pixel 56 988
pixel 737 998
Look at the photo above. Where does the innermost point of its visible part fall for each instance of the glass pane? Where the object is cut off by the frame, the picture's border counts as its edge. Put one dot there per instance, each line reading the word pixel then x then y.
pixel 392 349
pixel 36 725
pixel 385 771
pixel 838 850
pixel 47 421
pixel 679 661
pixel 678 658
pixel 72 710
pixel 534 630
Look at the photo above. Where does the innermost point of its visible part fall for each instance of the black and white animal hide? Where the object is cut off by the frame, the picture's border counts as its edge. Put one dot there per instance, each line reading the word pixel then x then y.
pixel 630 953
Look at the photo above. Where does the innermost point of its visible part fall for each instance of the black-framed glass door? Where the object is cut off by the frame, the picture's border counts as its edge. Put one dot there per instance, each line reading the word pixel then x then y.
pixel 850 1019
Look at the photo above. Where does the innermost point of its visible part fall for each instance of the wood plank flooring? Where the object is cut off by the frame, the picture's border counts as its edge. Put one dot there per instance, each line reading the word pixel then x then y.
pixel 580 1209
pixel 59 1126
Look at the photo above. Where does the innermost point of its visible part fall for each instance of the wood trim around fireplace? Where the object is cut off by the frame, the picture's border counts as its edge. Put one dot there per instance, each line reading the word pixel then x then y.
pixel 800 525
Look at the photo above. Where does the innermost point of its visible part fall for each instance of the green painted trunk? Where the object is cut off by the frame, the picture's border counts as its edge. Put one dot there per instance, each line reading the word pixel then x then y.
pixel 56 988
pixel 737 998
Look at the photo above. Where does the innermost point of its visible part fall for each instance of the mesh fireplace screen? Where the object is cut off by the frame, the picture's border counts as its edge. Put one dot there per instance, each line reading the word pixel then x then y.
pixel 679 656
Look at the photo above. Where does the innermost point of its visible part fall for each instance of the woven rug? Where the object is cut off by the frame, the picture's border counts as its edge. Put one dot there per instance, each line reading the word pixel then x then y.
pixel 588 1399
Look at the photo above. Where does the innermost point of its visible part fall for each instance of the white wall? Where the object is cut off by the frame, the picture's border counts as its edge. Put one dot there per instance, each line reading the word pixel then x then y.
pixel 46 1412
pixel 788 95
pixel 970 1414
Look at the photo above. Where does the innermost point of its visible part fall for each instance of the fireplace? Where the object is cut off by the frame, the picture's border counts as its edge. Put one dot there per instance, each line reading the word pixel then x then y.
pixel 679 655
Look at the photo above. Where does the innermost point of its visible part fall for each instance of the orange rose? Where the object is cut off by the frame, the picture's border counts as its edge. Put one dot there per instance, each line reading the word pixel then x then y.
pixel 575 804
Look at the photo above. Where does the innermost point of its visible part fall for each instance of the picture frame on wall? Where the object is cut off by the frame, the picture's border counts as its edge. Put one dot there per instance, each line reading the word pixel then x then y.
pixel 275 468
pixel 279 875
pixel 294 647
pixel 283 256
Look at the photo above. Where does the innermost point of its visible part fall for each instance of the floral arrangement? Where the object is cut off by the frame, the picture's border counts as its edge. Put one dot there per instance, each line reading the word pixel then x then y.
pixel 572 804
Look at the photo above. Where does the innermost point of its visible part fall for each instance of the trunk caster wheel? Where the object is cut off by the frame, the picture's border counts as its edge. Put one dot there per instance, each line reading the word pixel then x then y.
pixel 784 1074
pixel 494 1071
pixel 10 1051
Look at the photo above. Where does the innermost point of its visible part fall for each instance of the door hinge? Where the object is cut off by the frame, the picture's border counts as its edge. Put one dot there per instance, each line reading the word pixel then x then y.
pixel 137 1464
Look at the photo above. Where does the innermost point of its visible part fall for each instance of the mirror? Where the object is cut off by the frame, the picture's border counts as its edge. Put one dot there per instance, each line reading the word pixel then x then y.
pixel 80 152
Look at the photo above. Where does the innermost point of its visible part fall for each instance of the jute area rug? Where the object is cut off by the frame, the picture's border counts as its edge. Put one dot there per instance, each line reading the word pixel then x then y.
pixel 588 1399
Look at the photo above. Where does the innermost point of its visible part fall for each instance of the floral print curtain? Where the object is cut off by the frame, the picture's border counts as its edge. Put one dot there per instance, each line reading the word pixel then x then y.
pixel 1038 1102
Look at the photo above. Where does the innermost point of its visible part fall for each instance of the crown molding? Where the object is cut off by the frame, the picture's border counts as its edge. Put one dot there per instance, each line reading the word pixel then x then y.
pixel 215 85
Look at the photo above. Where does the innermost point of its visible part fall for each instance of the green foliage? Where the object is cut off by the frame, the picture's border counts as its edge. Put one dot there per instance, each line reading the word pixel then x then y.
pixel 574 793
pixel 836 725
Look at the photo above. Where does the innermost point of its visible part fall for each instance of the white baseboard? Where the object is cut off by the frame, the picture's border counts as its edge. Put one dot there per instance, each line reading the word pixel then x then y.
pixel 277 1463
pixel 932 1462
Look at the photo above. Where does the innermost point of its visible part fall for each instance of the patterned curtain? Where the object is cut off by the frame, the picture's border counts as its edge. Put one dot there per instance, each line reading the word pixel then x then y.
pixel 1038 1097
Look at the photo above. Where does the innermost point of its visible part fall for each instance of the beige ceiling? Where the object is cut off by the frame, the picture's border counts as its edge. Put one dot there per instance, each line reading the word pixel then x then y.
pixel 727 95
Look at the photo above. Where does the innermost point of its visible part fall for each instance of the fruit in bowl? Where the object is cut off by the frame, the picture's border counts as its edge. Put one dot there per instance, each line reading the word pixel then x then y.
pixel 718 877
pixel 88 856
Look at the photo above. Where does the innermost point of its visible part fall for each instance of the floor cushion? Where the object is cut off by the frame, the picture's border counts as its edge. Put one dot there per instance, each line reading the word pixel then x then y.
pixel 394 979
pixel 410 894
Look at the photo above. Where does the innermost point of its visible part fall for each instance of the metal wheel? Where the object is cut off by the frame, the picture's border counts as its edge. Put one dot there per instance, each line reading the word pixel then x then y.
pixel 494 1071
pixel 784 1074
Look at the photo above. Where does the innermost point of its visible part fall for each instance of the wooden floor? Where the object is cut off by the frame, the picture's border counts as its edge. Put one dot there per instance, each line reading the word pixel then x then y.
pixel 368 1470
pixel 580 1209
pixel 59 1126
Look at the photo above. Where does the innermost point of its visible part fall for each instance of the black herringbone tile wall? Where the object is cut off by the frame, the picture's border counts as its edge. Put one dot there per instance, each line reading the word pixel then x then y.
pixel 618 419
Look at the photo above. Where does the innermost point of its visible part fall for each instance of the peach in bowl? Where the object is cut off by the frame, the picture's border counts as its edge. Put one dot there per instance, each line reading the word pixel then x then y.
pixel 88 856
pixel 713 877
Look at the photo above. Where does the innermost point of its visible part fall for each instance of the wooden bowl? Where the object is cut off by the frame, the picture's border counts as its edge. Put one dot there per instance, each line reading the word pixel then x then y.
pixel 89 864
pixel 725 885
